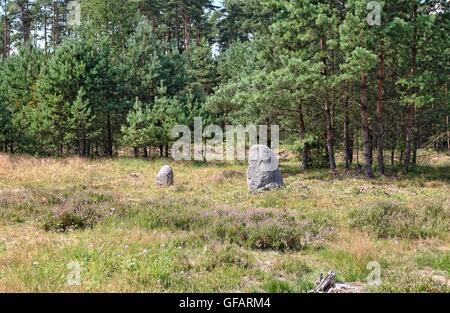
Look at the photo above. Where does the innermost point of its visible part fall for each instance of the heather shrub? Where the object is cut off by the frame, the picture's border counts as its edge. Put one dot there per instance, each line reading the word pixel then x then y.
pixel 391 220
pixel 67 218
pixel 262 229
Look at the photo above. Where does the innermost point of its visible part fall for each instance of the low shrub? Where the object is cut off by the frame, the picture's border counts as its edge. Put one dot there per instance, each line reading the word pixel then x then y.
pixel 439 261
pixel 406 281
pixel 391 220
pixel 67 218
pixel 224 255
pixel 262 229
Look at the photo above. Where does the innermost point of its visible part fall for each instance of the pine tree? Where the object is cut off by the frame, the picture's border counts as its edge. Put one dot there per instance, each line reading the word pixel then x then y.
pixel 81 63
pixel 81 122
pixel 141 64
pixel 18 77
pixel 138 131
pixel 360 60
pixel 201 70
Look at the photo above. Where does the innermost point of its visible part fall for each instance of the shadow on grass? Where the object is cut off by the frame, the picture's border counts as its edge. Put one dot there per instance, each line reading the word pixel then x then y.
pixel 419 173
pixel 422 173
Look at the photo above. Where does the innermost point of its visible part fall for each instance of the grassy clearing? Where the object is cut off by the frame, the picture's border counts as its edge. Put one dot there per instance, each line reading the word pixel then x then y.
pixel 208 234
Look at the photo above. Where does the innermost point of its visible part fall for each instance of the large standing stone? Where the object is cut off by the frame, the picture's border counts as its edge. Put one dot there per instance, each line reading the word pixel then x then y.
pixel 263 172
pixel 165 176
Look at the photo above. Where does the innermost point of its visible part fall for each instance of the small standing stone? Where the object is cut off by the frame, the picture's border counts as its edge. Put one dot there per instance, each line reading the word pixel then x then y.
pixel 165 176
pixel 263 171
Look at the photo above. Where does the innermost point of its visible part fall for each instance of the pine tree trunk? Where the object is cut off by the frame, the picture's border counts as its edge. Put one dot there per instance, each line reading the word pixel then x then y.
pixel 379 116
pixel 393 156
pixel 402 152
pixel 154 23
pixel 302 130
pixel 358 166
pixel 416 145
pixel 45 34
pixel 55 25
pixel 88 148
pixel 198 37
pixel 6 34
pixel 330 138
pixel 81 149
pixel 411 108
pixel 187 33
pixel 366 127
pixel 26 22
pixel 351 147
pixel 371 145
pixel 409 139
pixel 328 115
pixel 177 35
pixel 448 133
pixel 11 142
pixel 109 143
pixel 414 153
pixel 347 149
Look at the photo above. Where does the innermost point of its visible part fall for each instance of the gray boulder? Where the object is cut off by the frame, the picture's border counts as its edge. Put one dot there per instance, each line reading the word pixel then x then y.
pixel 165 176
pixel 263 171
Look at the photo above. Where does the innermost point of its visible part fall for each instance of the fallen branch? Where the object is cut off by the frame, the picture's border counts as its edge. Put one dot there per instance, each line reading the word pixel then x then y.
pixel 328 284
pixel 324 284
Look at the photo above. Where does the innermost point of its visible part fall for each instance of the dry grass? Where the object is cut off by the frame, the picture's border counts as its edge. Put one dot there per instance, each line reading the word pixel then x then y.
pixel 207 233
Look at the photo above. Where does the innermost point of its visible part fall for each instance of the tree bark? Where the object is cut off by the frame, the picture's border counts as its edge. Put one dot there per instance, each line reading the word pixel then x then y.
pixel 448 133
pixel 366 127
pixel 409 139
pixel 109 143
pixel 371 145
pixel 416 145
pixel 379 116
pixel 411 107
pixel 154 23
pixel 352 146
pixel 393 156
pixel 45 30
pixel 26 22
pixel 402 153
pixel 6 34
pixel 177 35
pixel 328 115
pixel 414 153
pixel 187 32
pixel 55 26
pixel 347 149
pixel 302 130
